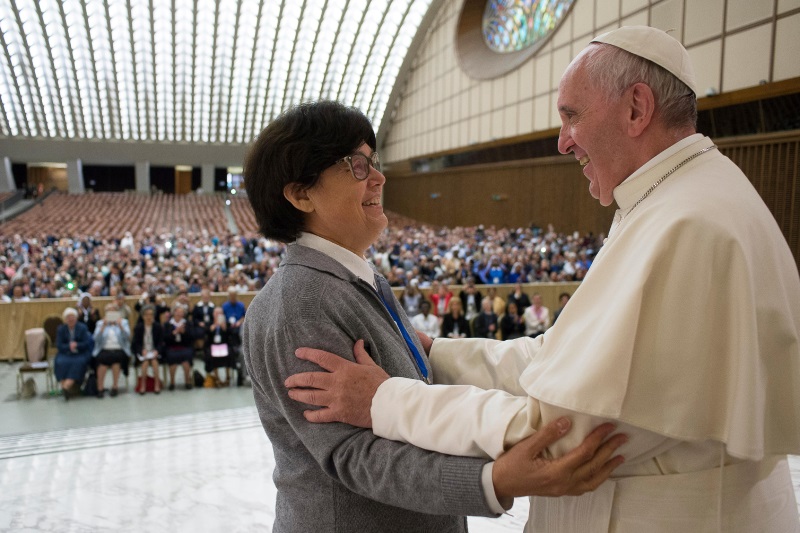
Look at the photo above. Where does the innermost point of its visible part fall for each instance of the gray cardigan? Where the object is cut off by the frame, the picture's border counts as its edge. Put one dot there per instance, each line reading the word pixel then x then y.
pixel 336 477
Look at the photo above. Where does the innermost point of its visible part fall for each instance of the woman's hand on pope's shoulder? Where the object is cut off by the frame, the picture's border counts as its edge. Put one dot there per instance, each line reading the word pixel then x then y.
pixel 344 392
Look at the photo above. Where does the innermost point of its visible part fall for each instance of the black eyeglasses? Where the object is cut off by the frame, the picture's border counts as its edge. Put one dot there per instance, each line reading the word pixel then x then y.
pixel 359 164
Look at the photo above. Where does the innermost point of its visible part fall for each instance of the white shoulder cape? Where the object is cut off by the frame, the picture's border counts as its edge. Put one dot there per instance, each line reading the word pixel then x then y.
pixel 688 321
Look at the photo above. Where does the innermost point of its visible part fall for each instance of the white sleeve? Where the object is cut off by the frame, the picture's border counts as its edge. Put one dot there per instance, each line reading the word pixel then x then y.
pixel 465 420
pixel 453 419
pixel 484 363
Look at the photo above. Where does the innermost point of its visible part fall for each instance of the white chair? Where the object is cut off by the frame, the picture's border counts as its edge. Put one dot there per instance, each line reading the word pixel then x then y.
pixel 36 360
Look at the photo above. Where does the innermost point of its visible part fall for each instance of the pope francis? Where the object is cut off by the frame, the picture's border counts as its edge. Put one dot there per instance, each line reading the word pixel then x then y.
pixel 684 333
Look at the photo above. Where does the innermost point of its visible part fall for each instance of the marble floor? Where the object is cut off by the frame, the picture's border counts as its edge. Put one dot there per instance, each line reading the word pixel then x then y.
pixel 182 461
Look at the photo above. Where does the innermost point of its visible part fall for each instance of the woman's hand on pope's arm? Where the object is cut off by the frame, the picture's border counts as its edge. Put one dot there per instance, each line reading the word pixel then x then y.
pixel 524 470
pixel 344 392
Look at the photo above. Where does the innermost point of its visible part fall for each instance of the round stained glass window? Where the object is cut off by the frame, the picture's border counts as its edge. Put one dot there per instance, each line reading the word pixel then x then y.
pixel 510 26
pixel 496 36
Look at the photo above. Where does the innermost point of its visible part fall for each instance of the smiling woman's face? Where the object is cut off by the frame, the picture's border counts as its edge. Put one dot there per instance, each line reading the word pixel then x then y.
pixel 344 210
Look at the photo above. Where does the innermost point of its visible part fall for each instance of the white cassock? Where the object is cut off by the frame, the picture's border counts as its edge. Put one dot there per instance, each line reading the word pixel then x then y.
pixel 685 333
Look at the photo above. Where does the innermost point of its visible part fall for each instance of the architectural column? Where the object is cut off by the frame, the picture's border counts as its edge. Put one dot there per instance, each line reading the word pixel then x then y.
pixel 7 183
pixel 75 176
pixel 142 176
pixel 207 178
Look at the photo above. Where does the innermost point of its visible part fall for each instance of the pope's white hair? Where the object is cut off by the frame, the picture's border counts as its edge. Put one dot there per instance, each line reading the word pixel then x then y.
pixel 613 70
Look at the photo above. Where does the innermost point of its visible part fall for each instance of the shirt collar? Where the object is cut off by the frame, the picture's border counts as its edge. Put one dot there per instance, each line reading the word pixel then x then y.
pixel 630 190
pixel 352 262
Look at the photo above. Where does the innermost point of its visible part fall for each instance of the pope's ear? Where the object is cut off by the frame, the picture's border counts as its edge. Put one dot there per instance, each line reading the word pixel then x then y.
pixel 642 108
pixel 297 194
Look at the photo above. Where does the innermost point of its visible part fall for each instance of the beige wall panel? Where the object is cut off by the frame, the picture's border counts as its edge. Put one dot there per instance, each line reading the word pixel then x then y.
pixel 463 133
pixel 511 121
pixel 743 12
pixel 706 59
pixel 474 129
pixel 744 61
pixel 583 18
pixel 637 19
pixel 564 33
pixel 787 48
pixel 561 59
pixel 544 68
pixel 498 92
pixel 500 125
pixel 703 20
pixel 525 117
pixel 474 101
pixel 668 15
pixel 464 103
pixel 541 113
pixel 787 5
pixel 629 6
pixel 607 12
pixel 485 132
pixel 512 87
pixel 527 75
pixel 487 97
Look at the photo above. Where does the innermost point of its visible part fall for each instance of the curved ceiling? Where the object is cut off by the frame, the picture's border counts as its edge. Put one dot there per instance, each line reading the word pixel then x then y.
pixel 196 71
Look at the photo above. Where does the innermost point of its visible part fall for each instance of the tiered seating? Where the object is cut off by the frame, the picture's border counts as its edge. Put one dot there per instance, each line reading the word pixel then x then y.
pixel 115 213
pixel 243 215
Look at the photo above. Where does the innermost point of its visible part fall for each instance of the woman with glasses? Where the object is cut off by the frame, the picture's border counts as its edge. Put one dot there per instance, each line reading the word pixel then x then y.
pixel 314 180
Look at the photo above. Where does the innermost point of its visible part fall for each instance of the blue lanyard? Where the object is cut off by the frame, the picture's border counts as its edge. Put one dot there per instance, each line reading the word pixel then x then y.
pixel 417 357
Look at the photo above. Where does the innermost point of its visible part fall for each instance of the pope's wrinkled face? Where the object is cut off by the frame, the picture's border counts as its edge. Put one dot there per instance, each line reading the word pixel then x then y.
pixel 593 130
pixel 348 211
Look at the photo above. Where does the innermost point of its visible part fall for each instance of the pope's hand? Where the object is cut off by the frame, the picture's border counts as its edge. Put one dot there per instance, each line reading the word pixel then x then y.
pixel 524 470
pixel 344 392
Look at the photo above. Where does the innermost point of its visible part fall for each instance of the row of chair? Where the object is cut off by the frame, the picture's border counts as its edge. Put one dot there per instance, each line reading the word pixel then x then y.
pixel 115 213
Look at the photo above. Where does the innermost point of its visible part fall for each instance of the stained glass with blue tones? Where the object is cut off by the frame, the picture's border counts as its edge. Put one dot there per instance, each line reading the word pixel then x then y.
pixel 510 26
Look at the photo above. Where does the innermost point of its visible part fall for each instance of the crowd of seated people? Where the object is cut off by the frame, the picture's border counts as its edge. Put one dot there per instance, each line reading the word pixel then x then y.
pixel 414 256
pixel 503 319
pixel 89 344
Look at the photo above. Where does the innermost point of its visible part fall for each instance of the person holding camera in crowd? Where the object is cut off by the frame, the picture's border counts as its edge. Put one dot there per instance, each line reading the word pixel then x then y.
pixel 112 348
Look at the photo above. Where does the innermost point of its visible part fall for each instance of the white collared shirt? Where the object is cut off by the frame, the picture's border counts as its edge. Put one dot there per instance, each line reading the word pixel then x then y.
pixel 352 262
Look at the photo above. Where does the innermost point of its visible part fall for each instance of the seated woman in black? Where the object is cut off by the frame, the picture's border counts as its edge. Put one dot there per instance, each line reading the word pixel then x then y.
pixel 454 324
pixel 147 346
pixel 218 353
pixel 180 346
pixel 512 325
